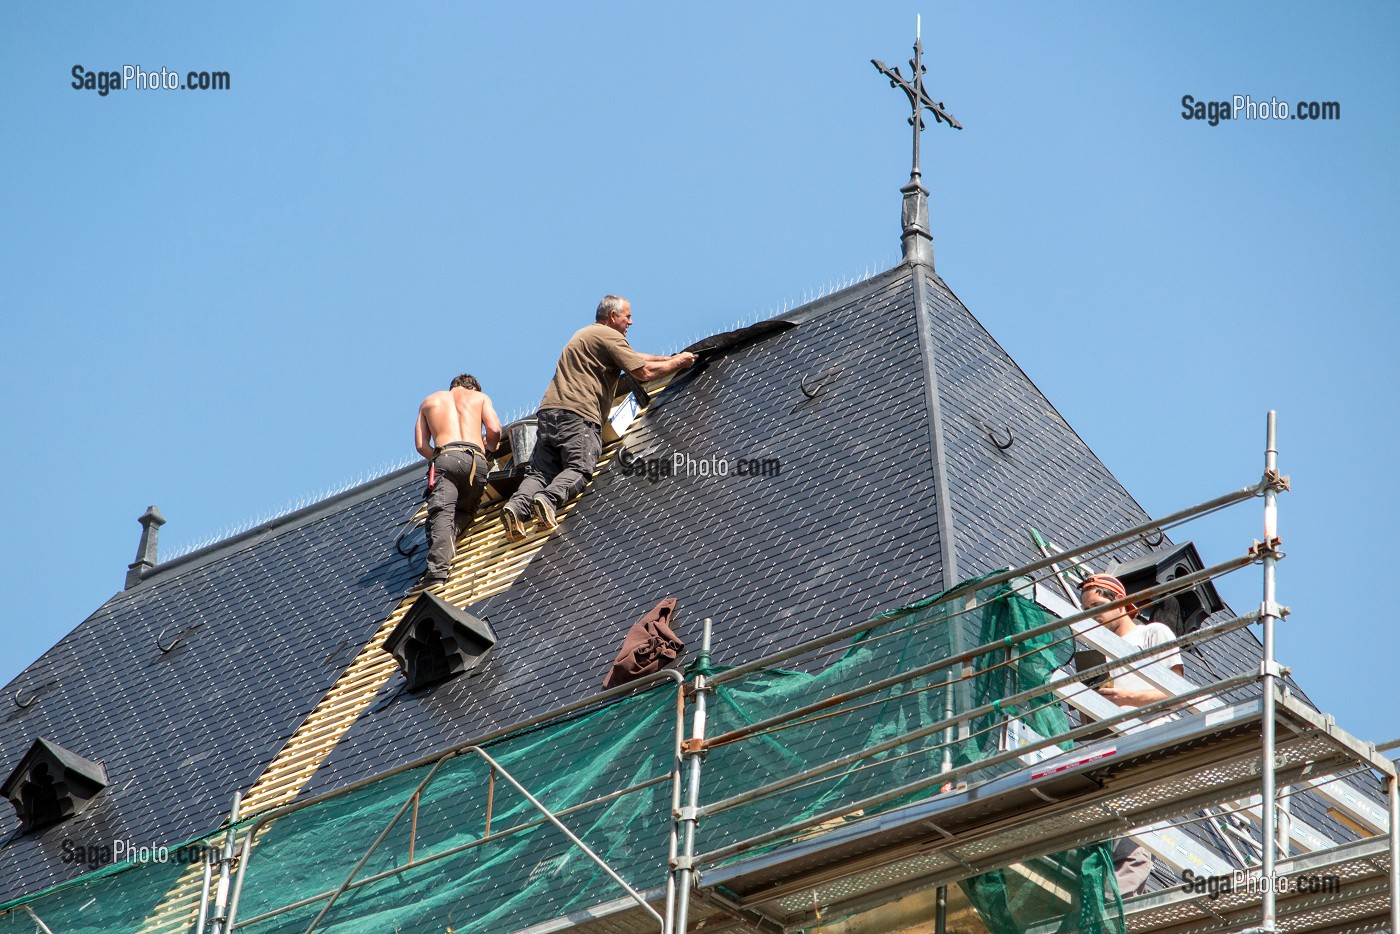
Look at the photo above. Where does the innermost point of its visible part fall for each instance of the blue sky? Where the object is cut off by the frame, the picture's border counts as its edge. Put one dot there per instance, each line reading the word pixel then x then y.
pixel 227 302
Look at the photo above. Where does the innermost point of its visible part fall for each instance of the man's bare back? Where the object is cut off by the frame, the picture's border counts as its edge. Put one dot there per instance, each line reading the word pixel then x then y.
pixel 455 415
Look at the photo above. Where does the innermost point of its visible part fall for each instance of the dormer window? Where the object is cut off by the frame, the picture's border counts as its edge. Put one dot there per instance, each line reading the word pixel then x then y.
pixel 51 784
pixel 436 641
pixel 1184 612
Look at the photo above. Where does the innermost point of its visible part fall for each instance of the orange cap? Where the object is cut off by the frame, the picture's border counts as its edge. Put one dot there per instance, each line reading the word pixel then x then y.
pixel 1111 584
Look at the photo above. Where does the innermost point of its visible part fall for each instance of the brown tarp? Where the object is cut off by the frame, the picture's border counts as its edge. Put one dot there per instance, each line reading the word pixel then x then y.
pixel 649 646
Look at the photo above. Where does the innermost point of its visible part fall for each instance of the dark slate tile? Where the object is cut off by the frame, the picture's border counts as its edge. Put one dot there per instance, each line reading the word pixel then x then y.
pixel 180 731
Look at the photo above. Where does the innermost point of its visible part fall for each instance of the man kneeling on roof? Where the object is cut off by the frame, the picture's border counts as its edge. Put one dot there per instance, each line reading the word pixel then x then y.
pixel 448 432
pixel 570 421
pixel 1132 864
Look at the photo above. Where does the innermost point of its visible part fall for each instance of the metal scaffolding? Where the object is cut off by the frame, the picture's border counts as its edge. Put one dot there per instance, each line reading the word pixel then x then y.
pixel 1217 753
pixel 1157 773
pixel 1147 772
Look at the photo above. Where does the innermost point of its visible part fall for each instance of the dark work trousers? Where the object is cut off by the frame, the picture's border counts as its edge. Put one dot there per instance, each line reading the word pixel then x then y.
pixel 461 479
pixel 567 447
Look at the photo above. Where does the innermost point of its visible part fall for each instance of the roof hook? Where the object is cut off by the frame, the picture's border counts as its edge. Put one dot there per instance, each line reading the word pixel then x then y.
pixel 819 384
pixel 179 637
pixel 34 696
pixel 408 528
pixel 1161 537
pixel 992 436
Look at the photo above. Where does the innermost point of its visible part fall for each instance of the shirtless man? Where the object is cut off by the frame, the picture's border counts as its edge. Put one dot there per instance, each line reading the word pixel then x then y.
pixel 448 433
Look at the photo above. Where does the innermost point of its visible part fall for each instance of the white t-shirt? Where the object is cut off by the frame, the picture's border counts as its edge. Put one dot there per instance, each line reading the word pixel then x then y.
pixel 1146 636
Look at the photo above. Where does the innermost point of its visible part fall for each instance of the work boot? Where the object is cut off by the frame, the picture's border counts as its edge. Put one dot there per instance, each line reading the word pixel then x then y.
pixel 432 584
pixel 514 525
pixel 543 511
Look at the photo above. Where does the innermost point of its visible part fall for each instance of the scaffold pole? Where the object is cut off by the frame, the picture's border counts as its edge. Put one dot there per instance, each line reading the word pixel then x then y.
pixel 1269 671
pixel 1392 788
pixel 689 815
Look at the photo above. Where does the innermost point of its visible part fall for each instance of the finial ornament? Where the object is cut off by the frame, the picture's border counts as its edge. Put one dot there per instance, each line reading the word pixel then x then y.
pixel 917 239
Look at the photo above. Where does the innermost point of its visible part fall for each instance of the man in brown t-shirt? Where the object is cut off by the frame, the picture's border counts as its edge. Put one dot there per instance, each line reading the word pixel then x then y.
pixel 570 420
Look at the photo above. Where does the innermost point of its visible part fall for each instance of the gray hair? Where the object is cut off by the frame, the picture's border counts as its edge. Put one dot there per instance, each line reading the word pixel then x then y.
pixel 609 306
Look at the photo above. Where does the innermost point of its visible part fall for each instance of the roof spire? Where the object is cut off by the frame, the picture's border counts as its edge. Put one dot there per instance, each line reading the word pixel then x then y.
pixel 151 521
pixel 917 240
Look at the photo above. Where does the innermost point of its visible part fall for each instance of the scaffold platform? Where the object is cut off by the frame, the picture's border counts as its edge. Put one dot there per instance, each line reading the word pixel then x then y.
pixel 1094 793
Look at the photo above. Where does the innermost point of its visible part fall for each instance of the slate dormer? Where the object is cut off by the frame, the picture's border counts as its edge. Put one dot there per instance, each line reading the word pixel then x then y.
pixel 436 641
pixel 51 784
pixel 1184 612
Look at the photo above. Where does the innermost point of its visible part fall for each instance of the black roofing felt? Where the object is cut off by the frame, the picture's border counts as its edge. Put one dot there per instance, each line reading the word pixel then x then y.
pixel 279 613
pixel 850 526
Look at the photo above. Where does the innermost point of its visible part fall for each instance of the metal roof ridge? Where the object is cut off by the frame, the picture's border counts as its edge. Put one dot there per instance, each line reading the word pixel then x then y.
pixel 294 519
pixel 840 297
pixel 938 454
pixel 943 507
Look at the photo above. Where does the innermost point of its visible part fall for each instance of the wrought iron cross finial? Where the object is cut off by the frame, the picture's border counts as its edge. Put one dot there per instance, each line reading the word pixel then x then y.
pixel 917 238
pixel 919 101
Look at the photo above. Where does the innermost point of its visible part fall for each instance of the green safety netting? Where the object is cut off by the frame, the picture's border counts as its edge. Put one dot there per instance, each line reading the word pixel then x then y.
pixel 1009 901
pixel 464 881
pixel 117 897
pixel 1014 899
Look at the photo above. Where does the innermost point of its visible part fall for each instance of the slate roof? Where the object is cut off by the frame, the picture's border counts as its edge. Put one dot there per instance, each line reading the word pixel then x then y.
pixel 770 559
pixel 877 460
pixel 279 610
pixel 850 527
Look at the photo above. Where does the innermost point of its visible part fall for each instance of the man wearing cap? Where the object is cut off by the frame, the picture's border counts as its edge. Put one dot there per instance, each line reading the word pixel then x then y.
pixel 571 415
pixel 1132 864
pixel 1129 688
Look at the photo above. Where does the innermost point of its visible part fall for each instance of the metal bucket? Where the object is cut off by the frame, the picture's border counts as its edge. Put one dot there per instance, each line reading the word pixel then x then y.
pixel 522 440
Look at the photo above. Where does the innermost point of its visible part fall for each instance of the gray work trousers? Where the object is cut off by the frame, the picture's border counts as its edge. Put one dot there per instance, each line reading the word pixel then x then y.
pixel 1132 865
pixel 460 479
pixel 567 447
